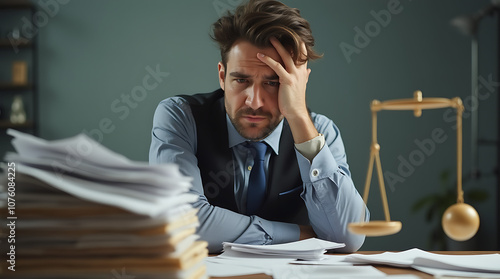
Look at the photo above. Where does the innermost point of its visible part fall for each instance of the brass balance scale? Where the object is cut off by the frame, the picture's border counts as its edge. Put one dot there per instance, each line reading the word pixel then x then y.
pixel 460 221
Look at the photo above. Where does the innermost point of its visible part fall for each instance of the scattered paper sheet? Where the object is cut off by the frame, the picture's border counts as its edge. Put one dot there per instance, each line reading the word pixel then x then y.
pixel 398 259
pixel 439 272
pixel 327 260
pixel 324 272
pixel 484 266
pixel 224 269
pixel 436 264
pixel 308 249
pixel 473 263
pixel 280 268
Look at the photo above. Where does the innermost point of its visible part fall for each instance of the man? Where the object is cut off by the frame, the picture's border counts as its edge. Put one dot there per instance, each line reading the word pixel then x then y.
pixel 266 170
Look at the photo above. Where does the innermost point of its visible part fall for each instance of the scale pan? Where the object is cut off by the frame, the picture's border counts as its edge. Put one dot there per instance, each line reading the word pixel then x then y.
pixel 375 228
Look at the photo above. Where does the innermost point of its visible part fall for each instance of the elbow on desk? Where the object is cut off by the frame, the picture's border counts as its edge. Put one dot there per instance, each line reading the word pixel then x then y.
pixel 352 244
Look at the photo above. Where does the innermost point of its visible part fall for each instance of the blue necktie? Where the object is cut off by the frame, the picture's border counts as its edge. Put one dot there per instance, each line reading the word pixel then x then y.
pixel 257 181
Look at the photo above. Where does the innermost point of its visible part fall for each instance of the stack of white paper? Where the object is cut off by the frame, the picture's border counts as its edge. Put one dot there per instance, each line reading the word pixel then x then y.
pixel 484 266
pixel 81 210
pixel 308 249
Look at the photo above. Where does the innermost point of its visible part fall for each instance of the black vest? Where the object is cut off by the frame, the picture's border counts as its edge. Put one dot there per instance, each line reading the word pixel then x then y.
pixel 215 161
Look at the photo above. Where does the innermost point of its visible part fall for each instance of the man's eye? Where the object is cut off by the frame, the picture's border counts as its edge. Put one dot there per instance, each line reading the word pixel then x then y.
pixel 240 80
pixel 273 83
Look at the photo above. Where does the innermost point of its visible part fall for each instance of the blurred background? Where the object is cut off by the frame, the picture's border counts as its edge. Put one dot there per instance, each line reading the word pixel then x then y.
pixel 84 65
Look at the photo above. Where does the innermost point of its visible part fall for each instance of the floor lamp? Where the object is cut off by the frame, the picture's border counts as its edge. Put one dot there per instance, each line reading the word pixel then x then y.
pixel 468 25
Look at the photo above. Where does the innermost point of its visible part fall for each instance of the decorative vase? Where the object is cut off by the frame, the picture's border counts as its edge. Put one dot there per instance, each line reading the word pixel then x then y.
pixel 17 113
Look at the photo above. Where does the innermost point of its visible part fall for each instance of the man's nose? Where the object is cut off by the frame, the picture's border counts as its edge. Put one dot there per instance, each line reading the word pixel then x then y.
pixel 255 97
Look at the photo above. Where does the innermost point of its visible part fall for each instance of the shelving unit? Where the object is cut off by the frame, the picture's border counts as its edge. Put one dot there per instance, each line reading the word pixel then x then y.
pixel 5 43
pixel 25 47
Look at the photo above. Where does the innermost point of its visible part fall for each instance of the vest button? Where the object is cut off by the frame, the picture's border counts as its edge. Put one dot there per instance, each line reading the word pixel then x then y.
pixel 249 168
pixel 315 172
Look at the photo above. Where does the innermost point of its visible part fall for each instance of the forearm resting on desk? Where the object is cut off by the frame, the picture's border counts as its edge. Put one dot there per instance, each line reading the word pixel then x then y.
pixel 218 225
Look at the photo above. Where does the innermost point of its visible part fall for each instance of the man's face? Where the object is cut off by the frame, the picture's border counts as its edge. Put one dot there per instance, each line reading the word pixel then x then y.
pixel 251 90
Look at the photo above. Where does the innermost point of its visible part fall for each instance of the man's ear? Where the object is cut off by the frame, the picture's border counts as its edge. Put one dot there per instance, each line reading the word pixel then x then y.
pixel 222 75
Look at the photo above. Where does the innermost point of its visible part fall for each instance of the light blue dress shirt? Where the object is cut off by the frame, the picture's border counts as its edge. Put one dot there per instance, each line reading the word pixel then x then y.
pixel 329 194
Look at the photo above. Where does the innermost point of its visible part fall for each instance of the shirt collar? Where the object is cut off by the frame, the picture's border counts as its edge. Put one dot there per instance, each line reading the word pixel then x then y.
pixel 273 140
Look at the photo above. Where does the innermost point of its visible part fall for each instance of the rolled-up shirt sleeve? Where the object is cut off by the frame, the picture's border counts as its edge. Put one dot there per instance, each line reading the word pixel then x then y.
pixel 310 148
pixel 329 193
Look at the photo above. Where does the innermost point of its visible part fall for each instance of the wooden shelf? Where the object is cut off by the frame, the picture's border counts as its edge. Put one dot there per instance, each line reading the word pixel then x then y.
pixel 20 43
pixel 5 124
pixel 15 87
pixel 9 47
pixel 16 5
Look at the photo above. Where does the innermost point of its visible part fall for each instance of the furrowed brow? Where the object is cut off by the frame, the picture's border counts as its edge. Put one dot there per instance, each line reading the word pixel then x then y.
pixel 238 75
pixel 272 77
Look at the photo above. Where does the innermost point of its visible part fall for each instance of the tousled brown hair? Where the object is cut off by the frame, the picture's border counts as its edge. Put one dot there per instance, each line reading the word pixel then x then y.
pixel 258 21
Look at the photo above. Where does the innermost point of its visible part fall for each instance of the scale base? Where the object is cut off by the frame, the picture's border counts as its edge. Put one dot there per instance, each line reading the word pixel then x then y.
pixel 375 228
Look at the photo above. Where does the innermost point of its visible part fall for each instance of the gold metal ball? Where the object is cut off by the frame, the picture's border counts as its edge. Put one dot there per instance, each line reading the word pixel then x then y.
pixel 460 222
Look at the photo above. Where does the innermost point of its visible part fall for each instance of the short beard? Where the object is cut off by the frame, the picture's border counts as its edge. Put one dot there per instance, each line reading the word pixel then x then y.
pixel 266 131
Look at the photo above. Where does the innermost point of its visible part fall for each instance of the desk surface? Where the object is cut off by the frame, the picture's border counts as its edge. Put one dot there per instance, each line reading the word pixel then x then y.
pixel 386 269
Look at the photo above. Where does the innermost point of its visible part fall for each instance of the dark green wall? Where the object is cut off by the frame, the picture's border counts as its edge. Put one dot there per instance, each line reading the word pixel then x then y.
pixel 94 56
